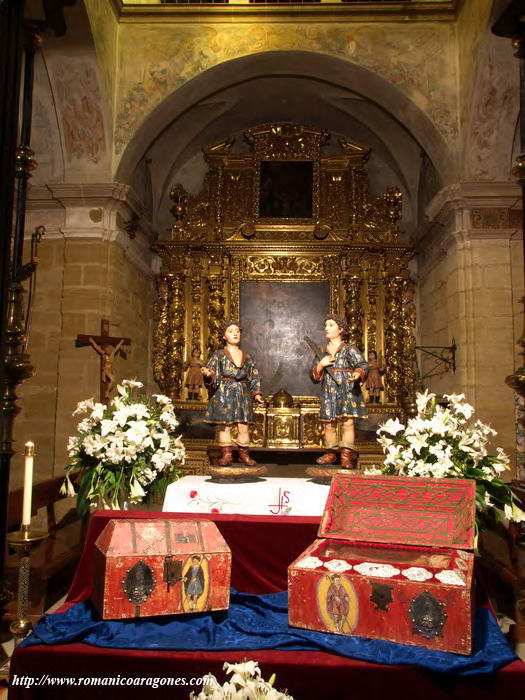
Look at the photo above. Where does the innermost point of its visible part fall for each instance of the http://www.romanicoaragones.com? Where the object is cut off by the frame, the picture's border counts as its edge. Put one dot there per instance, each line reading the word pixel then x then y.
pixel 108 681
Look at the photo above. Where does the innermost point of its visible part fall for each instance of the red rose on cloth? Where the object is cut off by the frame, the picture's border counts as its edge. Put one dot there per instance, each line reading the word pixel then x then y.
pixel 214 510
pixel 193 494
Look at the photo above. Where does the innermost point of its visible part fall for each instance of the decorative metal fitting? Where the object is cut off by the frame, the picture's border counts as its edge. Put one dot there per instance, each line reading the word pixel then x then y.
pixel 427 614
pixel 519 169
pixel 24 162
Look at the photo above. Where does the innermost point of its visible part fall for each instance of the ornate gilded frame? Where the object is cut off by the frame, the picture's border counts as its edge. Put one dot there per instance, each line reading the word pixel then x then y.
pixel 354 243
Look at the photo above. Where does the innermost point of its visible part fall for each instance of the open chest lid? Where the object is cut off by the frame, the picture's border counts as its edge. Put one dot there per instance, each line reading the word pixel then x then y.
pixel 401 510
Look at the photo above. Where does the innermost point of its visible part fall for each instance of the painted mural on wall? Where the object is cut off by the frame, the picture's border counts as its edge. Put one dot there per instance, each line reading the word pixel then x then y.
pixel 105 34
pixel 45 135
pixel 155 61
pixel 78 98
pixel 472 28
pixel 494 108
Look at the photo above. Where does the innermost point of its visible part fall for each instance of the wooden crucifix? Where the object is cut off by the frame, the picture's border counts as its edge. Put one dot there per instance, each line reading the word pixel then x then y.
pixel 107 347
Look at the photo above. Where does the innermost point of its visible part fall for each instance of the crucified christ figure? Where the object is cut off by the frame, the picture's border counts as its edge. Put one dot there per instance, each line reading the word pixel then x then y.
pixel 107 354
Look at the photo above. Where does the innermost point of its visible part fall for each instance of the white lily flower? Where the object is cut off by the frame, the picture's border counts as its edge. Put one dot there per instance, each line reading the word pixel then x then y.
pixel 391 426
pixel 508 511
pixel 169 419
pixel 417 425
pixel 84 406
pixel 162 399
pixel 517 514
pixel 136 491
pixel 422 400
pixel 372 471
pixel 418 442
pixel 73 445
pixel 139 410
pixel 132 383
pixel 454 398
pixel 85 425
pixel 121 415
pixel 465 410
pixel 250 668
pixel 67 488
pixel 107 426
pixel 98 411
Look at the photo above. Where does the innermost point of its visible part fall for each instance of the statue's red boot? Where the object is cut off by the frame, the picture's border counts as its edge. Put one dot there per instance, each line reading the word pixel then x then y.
pixel 329 457
pixel 244 457
pixel 227 458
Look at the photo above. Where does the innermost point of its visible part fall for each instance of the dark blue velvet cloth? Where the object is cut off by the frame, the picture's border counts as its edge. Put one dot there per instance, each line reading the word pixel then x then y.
pixel 261 622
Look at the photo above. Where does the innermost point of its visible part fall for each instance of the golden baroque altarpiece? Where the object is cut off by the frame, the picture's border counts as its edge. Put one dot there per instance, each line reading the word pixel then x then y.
pixel 238 230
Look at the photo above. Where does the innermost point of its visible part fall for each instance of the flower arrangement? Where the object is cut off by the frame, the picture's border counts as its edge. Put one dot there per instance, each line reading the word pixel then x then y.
pixel 123 450
pixel 447 442
pixel 246 683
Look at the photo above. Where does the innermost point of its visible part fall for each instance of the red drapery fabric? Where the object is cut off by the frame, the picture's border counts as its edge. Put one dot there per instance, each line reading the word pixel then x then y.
pixel 262 548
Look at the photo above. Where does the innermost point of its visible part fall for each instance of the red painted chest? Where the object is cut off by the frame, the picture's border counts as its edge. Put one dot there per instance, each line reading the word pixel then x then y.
pixel 393 563
pixel 160 567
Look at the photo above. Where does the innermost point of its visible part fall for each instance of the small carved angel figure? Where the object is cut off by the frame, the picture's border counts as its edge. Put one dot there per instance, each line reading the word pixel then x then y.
pixel 374 381
pixel 194 381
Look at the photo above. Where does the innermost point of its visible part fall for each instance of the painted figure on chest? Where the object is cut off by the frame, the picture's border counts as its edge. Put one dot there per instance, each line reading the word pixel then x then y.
pixel 233 382
pixel 194 582
pixel 337 602
pixel 374 381
pixel 194 380
pixel 341 396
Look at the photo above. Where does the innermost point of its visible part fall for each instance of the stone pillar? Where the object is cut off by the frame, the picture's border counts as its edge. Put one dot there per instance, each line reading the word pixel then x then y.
pixel 470 283
pixel 89 268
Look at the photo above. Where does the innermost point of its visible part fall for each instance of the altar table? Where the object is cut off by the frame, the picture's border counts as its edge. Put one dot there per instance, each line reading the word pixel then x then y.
pixel 262 547
pixel 269 496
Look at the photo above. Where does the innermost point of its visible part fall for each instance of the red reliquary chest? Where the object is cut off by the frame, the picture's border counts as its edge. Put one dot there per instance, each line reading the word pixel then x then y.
pixel 392 563
pixel 160 567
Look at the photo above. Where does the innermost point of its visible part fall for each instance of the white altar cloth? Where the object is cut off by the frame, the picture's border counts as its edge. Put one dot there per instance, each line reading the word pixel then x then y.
pixel 273 496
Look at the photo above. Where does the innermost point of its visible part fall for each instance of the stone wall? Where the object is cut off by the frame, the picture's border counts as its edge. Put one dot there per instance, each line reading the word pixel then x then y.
pixel 88 270
pixel 470 283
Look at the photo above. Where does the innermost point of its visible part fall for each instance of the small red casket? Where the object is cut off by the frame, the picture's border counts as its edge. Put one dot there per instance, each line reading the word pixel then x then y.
pixel 392 563
pixel 160 567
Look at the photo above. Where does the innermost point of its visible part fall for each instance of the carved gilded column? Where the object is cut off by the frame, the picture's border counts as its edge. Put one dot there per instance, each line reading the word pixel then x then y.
pixel 196 304
pixel 160 333
pixel 175 350
pixel 394 337
pixel 353 310
pixel 371 297
pixel 216 300
pixel 215 311
pixel 408 400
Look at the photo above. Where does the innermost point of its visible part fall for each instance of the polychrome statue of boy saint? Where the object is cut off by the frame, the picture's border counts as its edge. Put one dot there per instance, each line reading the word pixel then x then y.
pixel 341 396
pixel 233 382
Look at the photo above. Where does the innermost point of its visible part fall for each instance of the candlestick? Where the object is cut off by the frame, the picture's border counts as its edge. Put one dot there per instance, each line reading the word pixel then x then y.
pixel 23 541
pixel 28 483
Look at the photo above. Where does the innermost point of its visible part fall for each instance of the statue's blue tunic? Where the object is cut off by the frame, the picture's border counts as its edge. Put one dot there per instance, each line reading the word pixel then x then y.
pixel 343 399
pixel 231 389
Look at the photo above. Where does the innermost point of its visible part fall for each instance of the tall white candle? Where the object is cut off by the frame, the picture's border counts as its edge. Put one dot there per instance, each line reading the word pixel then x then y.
pixel 28 482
